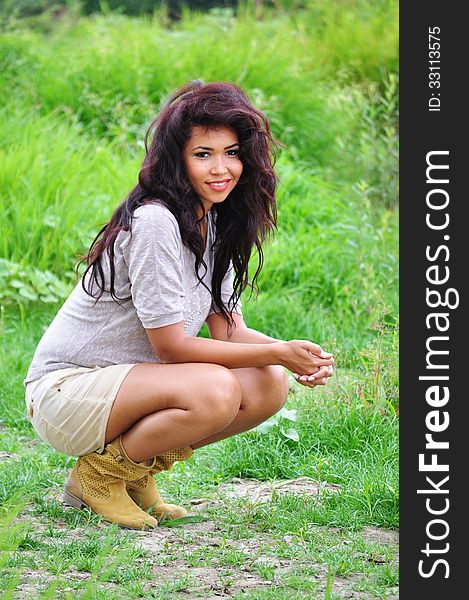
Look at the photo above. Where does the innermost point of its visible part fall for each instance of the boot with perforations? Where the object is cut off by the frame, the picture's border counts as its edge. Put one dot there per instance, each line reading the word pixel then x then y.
pixel 145 493
pixel 98 482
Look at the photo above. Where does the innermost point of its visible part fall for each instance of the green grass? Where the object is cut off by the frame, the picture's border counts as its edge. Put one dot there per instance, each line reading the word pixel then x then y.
pixel 70 149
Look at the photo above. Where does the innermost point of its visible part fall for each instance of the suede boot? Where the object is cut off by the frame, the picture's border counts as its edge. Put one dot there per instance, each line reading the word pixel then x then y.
pixel 145 493
pixel 98 481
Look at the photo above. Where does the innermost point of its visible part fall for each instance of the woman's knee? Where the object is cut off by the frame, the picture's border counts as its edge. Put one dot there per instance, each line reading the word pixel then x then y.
pixel 265 391
pixel 220 396
pixel 275 386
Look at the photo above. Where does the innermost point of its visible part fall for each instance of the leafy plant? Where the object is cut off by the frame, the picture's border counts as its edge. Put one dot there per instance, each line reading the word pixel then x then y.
pixel 278 421
pixel 22 285
pixel 379 387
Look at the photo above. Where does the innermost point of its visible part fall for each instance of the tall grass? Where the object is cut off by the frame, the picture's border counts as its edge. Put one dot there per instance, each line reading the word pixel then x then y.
pixel 57 185
pixel 288 63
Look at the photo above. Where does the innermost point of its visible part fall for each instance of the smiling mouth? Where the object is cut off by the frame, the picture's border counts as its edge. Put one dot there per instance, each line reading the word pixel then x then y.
pixel 219 185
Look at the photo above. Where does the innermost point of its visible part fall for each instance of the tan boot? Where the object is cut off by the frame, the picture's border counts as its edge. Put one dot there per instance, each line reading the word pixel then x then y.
pixel 98 482
pixel 145 493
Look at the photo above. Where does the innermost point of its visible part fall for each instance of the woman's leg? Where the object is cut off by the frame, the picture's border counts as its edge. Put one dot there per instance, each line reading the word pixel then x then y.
pixel 264 391
pixel 160 407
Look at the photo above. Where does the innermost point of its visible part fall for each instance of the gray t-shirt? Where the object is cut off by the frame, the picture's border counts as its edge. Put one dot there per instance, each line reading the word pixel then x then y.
pixel 157 271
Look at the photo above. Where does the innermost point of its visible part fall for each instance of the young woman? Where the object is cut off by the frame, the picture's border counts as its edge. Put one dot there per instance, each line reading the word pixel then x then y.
pixel 120 378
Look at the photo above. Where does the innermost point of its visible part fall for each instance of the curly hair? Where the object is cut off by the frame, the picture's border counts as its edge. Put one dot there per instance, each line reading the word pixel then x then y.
pixel 243 220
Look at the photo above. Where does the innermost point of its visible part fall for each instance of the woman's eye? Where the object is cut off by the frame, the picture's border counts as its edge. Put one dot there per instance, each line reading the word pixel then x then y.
pixel 205 154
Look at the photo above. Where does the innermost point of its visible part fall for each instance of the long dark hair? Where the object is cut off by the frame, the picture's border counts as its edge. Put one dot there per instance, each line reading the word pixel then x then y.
pixel 243 220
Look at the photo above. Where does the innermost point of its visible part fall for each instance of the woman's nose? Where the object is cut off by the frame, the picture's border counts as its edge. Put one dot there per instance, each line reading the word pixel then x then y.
pixel 219 167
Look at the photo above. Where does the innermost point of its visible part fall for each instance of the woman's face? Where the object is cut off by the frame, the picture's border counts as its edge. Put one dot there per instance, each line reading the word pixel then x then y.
pixel 211 159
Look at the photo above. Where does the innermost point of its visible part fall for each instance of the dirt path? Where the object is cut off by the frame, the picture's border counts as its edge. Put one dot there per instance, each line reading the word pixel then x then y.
pixel 260 547
pixel 209 559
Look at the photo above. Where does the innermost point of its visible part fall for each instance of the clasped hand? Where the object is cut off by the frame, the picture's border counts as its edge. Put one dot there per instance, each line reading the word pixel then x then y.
pixel 309 364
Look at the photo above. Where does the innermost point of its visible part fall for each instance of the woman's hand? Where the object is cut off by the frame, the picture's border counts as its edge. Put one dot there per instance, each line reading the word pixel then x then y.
pixel 321 377
pixel 302 356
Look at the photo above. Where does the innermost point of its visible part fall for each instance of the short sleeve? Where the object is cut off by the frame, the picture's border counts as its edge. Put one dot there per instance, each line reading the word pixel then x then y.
pixel 154 262
pixel 227 287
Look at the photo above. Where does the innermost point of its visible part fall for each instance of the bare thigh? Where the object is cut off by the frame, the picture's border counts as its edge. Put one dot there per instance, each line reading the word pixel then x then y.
pixel 152 387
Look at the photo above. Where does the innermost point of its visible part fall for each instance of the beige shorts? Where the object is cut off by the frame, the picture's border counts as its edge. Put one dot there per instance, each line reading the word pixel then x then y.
pixel 69 408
